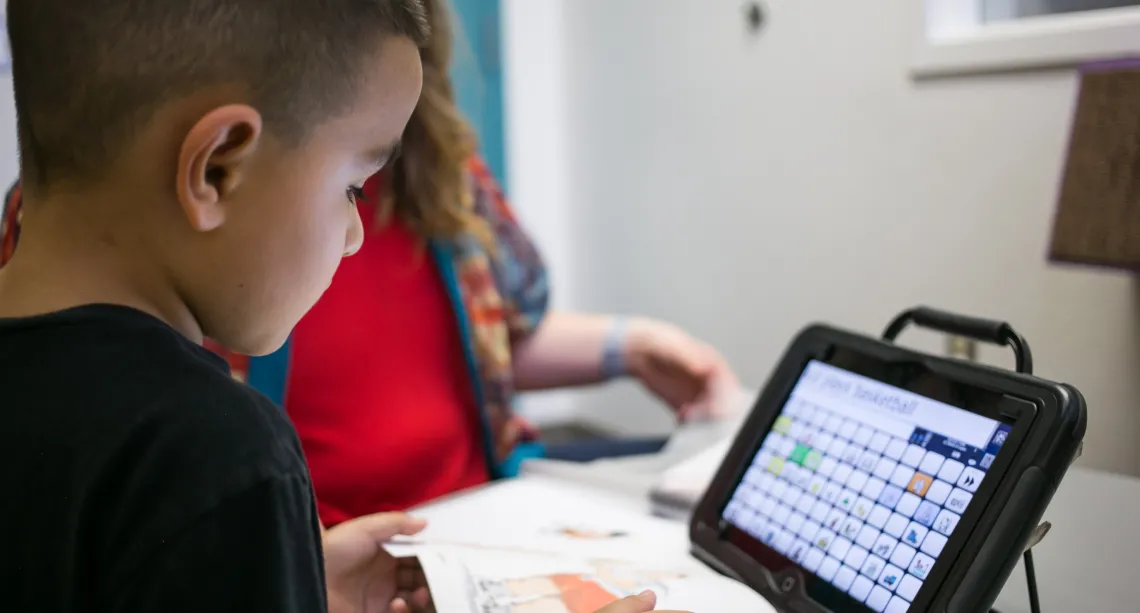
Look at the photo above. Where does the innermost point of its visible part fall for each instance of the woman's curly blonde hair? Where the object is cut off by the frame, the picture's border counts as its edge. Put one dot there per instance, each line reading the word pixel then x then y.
pixel 427 186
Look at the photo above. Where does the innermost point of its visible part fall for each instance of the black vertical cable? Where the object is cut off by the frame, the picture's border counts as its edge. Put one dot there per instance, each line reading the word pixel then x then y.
pixel 1031 580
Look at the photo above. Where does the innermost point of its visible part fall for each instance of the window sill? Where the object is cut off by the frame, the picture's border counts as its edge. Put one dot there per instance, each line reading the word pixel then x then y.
pixel 1038 43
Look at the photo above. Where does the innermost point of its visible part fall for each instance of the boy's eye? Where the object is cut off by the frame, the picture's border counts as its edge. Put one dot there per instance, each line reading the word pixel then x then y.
pixel 355 195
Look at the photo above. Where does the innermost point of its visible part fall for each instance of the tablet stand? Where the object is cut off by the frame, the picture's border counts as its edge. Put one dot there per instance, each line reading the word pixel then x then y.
pixel 986 331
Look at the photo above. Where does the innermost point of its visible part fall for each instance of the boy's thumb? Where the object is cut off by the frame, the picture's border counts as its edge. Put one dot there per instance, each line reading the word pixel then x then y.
pixel 380 527
pixel 640 603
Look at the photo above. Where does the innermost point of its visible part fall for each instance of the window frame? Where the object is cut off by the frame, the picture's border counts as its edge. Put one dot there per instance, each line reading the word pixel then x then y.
pixel 955 40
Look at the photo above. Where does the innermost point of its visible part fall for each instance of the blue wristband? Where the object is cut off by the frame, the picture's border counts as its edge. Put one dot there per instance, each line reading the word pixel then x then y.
pixel 613 351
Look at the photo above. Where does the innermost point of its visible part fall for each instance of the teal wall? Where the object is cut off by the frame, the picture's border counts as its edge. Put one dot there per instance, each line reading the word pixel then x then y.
pixel 478 77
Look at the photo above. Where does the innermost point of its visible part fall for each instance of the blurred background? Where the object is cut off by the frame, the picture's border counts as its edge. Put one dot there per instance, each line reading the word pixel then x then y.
pixel 675 160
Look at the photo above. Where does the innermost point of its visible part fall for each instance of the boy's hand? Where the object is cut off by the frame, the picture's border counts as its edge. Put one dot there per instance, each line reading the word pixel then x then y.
pixel 641 603
pixel 363 577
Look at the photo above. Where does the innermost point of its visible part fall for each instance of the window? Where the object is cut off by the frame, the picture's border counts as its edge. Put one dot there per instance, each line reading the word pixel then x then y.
pixel 1007 10
pixel 970 36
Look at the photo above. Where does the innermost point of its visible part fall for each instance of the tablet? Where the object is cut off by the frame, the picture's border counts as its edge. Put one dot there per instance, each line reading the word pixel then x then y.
pixel 870 477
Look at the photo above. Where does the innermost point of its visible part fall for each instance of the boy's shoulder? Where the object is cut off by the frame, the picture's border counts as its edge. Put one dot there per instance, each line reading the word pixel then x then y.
pixel 231 427
pixel 154 400
pixel 198 442
pixel 134 452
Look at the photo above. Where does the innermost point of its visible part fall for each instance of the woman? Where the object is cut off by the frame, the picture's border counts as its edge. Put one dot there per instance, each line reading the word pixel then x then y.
pixel 400 380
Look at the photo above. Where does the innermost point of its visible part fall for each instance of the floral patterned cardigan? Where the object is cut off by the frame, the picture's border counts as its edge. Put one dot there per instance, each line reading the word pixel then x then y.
pixel 498 298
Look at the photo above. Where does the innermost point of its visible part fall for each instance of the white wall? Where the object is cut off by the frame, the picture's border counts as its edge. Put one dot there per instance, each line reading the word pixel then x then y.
pixel 537 153
pixel 744 186
pixel 9 161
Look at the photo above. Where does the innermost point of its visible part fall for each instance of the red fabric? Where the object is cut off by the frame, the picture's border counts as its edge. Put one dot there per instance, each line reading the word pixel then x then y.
pixel 9 224
pixel 379 388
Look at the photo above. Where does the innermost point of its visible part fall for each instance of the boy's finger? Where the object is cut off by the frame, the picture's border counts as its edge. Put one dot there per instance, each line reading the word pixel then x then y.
pixel 640 603
pixel 421 598
pixel 381 527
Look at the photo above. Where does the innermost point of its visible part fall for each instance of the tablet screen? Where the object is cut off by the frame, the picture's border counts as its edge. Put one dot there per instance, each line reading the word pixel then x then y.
pixel 861 483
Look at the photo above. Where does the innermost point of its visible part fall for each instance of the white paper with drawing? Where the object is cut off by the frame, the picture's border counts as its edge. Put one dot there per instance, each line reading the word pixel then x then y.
pixel 489 581
pixel 551 515
pixel 534 545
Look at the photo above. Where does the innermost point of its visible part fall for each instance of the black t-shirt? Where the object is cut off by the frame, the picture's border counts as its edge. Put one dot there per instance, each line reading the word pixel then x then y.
pixel 138 476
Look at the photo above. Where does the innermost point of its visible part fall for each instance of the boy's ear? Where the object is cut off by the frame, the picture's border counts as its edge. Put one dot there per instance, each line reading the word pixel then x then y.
pixel 214 159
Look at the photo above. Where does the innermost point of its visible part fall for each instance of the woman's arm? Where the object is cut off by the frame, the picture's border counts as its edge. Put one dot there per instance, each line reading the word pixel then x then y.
pixel 572 349
pixel 560 349
pixel 566 350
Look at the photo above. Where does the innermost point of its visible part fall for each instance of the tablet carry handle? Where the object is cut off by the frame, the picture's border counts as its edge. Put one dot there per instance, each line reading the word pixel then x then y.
pixel 984 330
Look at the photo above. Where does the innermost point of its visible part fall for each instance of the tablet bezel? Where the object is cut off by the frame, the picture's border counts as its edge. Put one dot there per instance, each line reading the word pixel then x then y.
pixel 1024 402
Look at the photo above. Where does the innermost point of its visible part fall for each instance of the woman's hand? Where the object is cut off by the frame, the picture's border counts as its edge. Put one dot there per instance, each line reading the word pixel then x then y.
pixel 363 577
pixel 571 349
pixel 641 603
pixel 685 373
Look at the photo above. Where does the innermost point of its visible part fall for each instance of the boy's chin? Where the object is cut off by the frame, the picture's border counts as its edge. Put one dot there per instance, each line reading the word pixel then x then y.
pixel 255 347
pixel 266 348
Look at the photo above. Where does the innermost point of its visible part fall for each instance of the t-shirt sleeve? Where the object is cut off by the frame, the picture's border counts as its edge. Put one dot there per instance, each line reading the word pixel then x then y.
pixel 256 550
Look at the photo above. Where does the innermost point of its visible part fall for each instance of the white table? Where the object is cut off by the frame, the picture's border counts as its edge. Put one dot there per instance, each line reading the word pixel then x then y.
pixel 1090 560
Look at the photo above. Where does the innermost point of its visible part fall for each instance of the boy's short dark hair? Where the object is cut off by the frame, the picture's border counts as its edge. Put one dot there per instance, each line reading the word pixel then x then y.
pixel 88 74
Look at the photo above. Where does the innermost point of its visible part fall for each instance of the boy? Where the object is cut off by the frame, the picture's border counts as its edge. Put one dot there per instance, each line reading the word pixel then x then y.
pixel 189 169
pixel 139 476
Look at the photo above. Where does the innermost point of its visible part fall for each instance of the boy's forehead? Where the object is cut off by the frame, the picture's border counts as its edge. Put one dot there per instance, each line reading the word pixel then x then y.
pixel 388 89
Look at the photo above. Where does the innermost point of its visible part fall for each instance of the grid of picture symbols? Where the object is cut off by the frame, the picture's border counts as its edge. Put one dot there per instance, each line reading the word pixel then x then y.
pixel 863 510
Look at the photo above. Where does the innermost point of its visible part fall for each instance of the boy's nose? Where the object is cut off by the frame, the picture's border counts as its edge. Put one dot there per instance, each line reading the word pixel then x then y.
pixel 355 236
